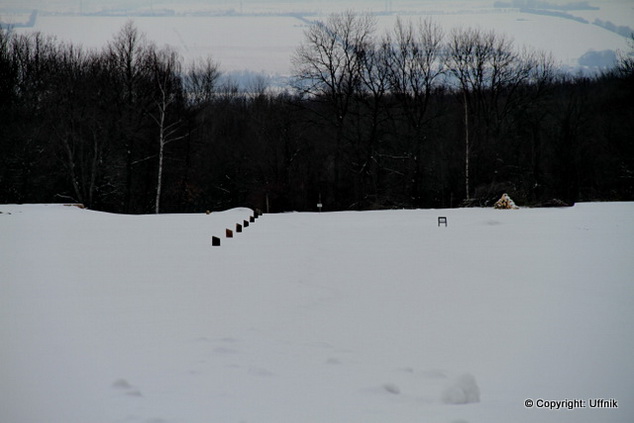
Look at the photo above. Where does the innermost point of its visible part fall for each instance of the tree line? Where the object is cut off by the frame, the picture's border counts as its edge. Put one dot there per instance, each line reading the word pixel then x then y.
pixel 412 117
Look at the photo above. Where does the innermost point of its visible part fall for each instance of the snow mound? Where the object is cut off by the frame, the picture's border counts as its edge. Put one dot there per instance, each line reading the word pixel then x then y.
pixel 463 390
pixel 392 388
pixel 505 203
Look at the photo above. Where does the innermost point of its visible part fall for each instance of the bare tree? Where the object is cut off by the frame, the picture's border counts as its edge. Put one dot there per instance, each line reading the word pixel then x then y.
pixel 202 80
pixel 328 62
pixel 128 56
pixel 469 52
pixel 29 61
pixel 490 76
pixel 166 68
pixel 414 72
pixel 74 124
pixel 371 115
pixel 328 67
pixel 626 60
pixel 258 86
pixel 8 71
pixel 415 65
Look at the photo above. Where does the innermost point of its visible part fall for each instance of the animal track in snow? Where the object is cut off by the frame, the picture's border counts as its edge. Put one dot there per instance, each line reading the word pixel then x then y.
pixel 124 385
pixel 392 388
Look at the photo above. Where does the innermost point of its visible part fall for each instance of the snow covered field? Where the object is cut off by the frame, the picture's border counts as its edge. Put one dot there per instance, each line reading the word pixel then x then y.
pixel 335 317
pixel 259 44
pixel 266 43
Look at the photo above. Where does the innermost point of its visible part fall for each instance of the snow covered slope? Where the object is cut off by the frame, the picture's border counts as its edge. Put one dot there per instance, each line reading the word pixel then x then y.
pixel 334 317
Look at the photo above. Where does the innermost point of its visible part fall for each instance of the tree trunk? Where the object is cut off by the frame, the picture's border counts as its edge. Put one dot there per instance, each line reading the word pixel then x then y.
pixel 466 141
pixel 159 181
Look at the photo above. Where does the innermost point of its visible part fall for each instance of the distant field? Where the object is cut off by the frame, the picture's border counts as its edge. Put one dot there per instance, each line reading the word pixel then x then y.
pixel 266 43
pixel 261 36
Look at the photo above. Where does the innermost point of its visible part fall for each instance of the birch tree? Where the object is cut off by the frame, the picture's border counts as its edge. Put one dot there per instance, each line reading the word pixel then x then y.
pixel 490 76
pixel 166 68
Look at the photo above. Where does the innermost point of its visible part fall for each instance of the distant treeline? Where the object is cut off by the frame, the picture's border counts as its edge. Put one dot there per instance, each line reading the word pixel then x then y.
pixel 554 14
pixel 410 118
pixel 28 24
pixel 622 30
pixel 536 4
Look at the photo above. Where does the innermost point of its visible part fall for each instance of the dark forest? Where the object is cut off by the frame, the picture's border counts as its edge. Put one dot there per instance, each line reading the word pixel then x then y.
pixel 410 118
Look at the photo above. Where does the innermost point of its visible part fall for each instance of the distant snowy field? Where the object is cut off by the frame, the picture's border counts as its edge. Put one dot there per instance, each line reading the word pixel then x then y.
pixel 266 43
pixel 355 317
pixel 258 44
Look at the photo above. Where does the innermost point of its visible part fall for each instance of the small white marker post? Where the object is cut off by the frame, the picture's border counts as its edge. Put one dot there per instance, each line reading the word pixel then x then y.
pixel 319 204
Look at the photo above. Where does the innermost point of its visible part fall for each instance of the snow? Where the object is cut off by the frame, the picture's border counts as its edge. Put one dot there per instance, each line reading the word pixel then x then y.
pixel 316 317
pixel 266 43
pixel 239 43
pixel 565 39
pixel 463 390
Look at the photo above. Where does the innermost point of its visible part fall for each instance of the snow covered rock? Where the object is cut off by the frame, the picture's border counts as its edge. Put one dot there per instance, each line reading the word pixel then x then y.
pixel 463 390
pixel 505 203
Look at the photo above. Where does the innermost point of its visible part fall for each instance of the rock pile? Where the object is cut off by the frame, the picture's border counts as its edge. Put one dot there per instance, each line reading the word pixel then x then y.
pixel 505 203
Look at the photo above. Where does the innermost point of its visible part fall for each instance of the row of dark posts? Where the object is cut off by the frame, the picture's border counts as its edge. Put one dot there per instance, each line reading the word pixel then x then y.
pixel 215 241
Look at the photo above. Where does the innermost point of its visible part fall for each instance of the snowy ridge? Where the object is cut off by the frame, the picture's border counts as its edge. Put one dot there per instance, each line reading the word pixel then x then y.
pixel 316 317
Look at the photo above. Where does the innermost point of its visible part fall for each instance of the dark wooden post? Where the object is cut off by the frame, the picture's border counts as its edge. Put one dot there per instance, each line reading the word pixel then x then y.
pixel 229 233
pixel 238 228
pixel 215 241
